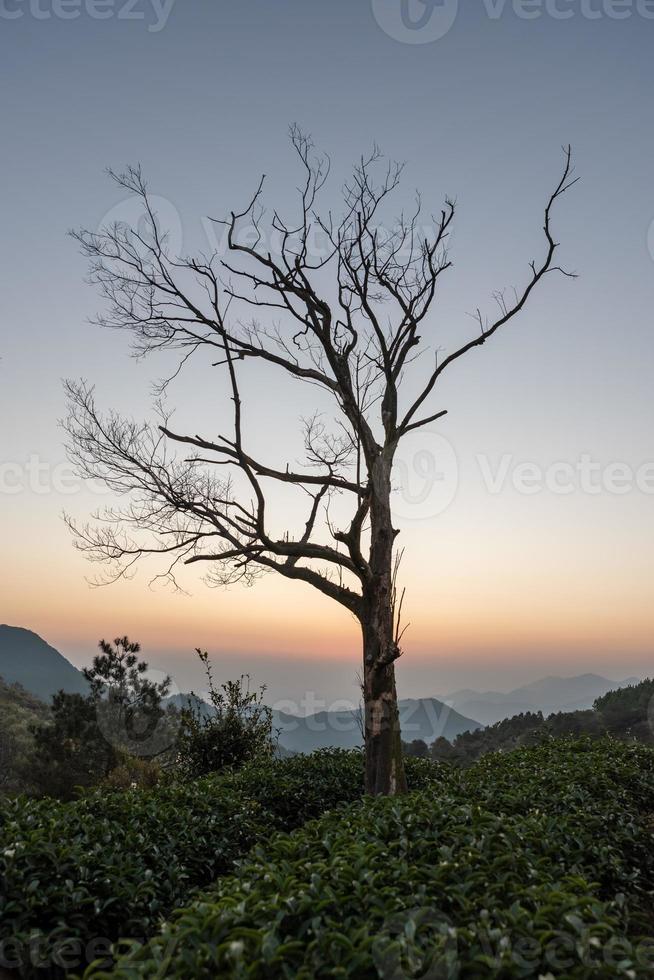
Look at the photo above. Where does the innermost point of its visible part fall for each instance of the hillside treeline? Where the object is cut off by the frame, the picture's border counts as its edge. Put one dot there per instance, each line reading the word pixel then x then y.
pixel 627 713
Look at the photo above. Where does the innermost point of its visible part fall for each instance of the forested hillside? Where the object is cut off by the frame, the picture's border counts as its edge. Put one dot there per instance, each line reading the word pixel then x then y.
pixel 19 710
pixel 627 713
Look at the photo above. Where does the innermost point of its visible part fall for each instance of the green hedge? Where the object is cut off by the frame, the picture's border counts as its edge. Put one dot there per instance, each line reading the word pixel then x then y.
pixel 505 871
pixel 76 876
pixel 605 784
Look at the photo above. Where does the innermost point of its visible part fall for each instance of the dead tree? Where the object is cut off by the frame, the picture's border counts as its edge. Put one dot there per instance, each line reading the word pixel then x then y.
pixel 200 497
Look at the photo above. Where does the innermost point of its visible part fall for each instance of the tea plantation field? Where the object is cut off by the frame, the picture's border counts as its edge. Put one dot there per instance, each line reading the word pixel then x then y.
pixel 534 863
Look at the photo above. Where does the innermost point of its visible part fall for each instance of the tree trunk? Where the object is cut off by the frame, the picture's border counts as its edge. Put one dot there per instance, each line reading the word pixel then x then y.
pixel 384 765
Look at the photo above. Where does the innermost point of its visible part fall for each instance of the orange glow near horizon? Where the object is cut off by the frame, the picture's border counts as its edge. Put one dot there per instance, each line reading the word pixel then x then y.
pixel 281 619
pixel 493 581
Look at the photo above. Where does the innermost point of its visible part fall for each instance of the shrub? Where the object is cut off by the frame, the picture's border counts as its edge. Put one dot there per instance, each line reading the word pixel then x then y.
pixel 605 784
pixel 112 863
pixel 498 874
pixel 236 729
pixel 132 773
pixel 305 786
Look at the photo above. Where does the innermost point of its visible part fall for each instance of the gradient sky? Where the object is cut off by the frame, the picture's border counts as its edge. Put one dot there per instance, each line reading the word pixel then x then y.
pixel 503 585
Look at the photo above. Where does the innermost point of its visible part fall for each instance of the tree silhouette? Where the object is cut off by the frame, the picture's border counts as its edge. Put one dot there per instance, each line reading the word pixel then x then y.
pixel 353 342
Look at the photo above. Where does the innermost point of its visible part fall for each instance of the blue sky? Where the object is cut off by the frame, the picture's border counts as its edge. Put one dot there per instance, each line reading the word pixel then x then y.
pixel 201 94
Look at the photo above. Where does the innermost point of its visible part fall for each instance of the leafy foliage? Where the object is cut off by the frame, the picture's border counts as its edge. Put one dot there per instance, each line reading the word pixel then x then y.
pixel 20 711
pixel 535 863
pixel 629 710
pixel 127 701
pixel 70 751
pixel 89 735
pixel 132 773
pixel 417 748
pixel 237 730
pixel 80 874
pixel 605 785
pixel 503 735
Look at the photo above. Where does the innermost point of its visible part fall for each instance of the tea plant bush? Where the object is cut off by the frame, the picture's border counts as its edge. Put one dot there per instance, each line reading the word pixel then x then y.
pixel 76 876
pixel 532 864
pixel 605 785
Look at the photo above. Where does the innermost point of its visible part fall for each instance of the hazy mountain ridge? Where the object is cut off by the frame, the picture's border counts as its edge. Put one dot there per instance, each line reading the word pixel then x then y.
pixel 549 695
pixel 27 659
pixel 423 718
pixel 626 713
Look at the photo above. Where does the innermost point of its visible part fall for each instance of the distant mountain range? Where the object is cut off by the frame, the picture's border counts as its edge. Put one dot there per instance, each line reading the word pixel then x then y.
pixel 549 695
pixel 28 660
pixel 426 719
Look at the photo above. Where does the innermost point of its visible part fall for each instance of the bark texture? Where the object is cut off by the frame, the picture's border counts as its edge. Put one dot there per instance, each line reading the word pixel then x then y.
pixel 383 740
pixel 384 764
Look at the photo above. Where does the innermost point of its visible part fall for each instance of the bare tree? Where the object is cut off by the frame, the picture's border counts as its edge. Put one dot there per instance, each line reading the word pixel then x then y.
pixel 202 498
